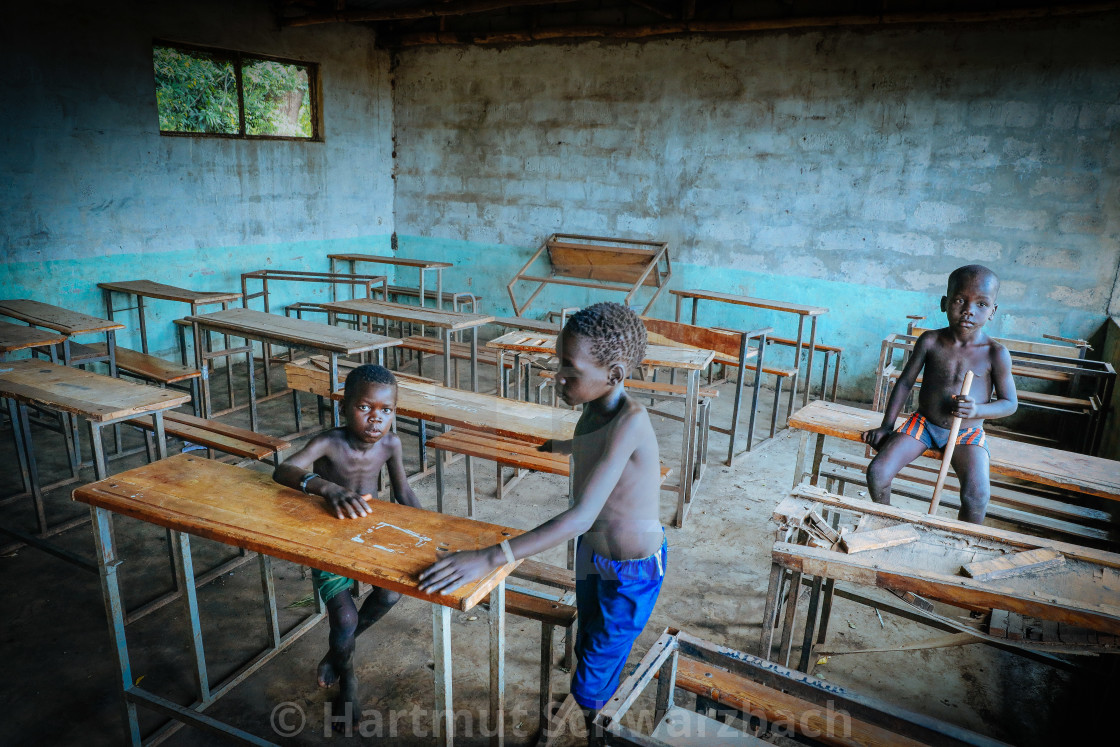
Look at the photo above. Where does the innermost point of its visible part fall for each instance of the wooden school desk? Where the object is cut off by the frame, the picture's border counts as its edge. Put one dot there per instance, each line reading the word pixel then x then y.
pixel 142 289
pixel 801 310
pixel 277 330
pixel 445 321
pixel 1067 470
pixel 243 508
pixel 422 266
pixel 1078 591
pixel 16 337
pixel 99 400
pixel 69 323
pixel 690 360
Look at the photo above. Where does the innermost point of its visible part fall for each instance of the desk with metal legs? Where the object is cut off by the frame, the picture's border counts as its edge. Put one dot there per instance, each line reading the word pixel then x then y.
pixel 243 508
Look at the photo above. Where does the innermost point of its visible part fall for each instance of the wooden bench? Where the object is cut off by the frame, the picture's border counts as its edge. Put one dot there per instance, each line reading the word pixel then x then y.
pixel 152 369
pixel 1060 519
pixel 520 454
pixel 828 350
pixel 552 609
pixel 600 263
pixel 458 301
pixel 229 439
pixel 422 346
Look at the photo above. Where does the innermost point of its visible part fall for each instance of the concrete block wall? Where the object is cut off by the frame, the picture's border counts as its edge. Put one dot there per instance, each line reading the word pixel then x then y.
pixel 92 192
pixel 847 169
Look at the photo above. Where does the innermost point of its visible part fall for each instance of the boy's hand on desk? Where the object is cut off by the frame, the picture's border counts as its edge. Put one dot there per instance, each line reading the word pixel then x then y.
pixel 875 437
pixel 346 503
pixel 455 569
pixel 546 447
pixel 966 407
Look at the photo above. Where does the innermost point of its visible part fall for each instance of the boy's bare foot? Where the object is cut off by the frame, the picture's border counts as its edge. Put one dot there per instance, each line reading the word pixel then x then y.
pixel 348 710
pixel 326 674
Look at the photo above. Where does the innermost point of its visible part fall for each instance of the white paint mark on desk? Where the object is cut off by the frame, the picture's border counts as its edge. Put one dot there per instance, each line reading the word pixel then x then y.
pixel 421 540
pixel 386 549
pixel 358 539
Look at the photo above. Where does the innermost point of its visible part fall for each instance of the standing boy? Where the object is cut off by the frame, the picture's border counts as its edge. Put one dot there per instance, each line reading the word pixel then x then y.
pixel 942 357
pixel 620 556
pixel 342 466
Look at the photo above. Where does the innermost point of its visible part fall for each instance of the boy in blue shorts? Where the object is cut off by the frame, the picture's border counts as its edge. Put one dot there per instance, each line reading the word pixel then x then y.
pixel 342 466
pixel 942 357
pixel 620 556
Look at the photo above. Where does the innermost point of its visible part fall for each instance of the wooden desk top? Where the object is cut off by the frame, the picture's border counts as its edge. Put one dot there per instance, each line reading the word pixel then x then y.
pixel 90 395
pixel 1061 469
pixel 526 421
pixel 656 355
pixel 20 337
pixel 283 330
pixel 452 320
pixel 1083 590
pixel 55 317
pixel 759 303
pixel 245 508
pixel 402 261
pixel 151 289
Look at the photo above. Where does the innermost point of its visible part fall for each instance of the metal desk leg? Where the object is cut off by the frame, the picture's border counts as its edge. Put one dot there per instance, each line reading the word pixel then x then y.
pixel 695 304
pixel 184 575
pixel 439 287
pixel 446 359
pixel 439 483
pixel 21 431
pixel 791 618
pixel 807 643
pixel 203 365
pixel 100 465
pixel 770 611
pixel 107 563
pixel 474 359
pixel 252 384
pixel 818 456
pixel 799 465
pixel 143 325
pixel 498 664
pixel 335 418
pixel 443 718
pixel 678 308
pixel 809 363
pixel 797 365
pixel 684 484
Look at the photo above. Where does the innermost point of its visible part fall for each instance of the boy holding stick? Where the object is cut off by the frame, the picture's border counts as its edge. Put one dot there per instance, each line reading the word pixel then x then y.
pixel 943 357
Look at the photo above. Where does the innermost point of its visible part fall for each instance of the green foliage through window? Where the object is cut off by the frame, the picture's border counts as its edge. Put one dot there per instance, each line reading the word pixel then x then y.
pixel 227 93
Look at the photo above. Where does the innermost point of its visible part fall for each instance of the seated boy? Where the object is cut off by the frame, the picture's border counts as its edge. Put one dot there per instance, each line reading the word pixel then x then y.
pixel 942 357
pixel 342 465
pixel 620 556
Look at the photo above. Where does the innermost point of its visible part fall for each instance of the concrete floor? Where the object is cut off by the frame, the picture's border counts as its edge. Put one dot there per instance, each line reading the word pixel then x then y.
pixel 58 675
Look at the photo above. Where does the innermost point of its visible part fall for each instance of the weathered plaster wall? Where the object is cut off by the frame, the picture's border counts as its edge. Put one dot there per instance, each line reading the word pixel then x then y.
pixel 92 192
pixel 846 169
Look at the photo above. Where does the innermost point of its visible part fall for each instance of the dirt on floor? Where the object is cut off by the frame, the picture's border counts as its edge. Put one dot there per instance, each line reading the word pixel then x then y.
pixel 60 683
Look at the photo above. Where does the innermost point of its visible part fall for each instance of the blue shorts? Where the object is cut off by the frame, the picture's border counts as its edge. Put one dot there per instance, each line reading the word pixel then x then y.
pixel 935 437
pixel 615 599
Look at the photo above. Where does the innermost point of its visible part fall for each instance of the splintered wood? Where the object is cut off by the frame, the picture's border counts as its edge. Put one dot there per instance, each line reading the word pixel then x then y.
pixel 877 539
pixel 1019 563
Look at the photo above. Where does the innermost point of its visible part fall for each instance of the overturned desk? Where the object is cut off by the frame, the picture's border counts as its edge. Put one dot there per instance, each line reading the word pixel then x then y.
pixel 243 508
pixel 1068 595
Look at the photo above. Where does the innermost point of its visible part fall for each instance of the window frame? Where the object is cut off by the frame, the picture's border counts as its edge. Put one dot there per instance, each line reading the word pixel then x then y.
pixel 238 58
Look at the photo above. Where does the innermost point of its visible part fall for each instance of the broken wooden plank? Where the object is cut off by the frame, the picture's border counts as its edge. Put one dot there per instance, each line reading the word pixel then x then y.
pixel 900 534
pixel 1015 564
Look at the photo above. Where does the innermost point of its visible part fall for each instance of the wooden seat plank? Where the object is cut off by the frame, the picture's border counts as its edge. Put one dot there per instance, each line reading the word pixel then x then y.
pixel 245 508
pixel 546 574
pixel 656 355
pixel 529 325
pixel 547 611
pixel 151 289
pixel 146 366
pixel 774 706
pixel 240 442
pixel 429 293
pixel 91 395
pixel 53 317
pixel 1039 464
pixel 460 350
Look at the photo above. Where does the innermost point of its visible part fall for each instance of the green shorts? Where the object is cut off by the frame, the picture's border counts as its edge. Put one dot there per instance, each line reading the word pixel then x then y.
pixel 329 584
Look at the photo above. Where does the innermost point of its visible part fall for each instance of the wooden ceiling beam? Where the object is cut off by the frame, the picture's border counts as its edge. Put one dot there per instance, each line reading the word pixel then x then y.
pixel 738 26
pixel 453 8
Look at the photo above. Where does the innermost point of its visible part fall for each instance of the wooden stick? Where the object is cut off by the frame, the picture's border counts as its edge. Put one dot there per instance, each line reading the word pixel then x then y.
pixel 950 446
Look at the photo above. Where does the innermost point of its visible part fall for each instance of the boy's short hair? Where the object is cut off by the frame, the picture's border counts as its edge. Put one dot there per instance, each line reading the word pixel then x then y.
pixel 367 374
pixel 615 331
pixel 963 274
